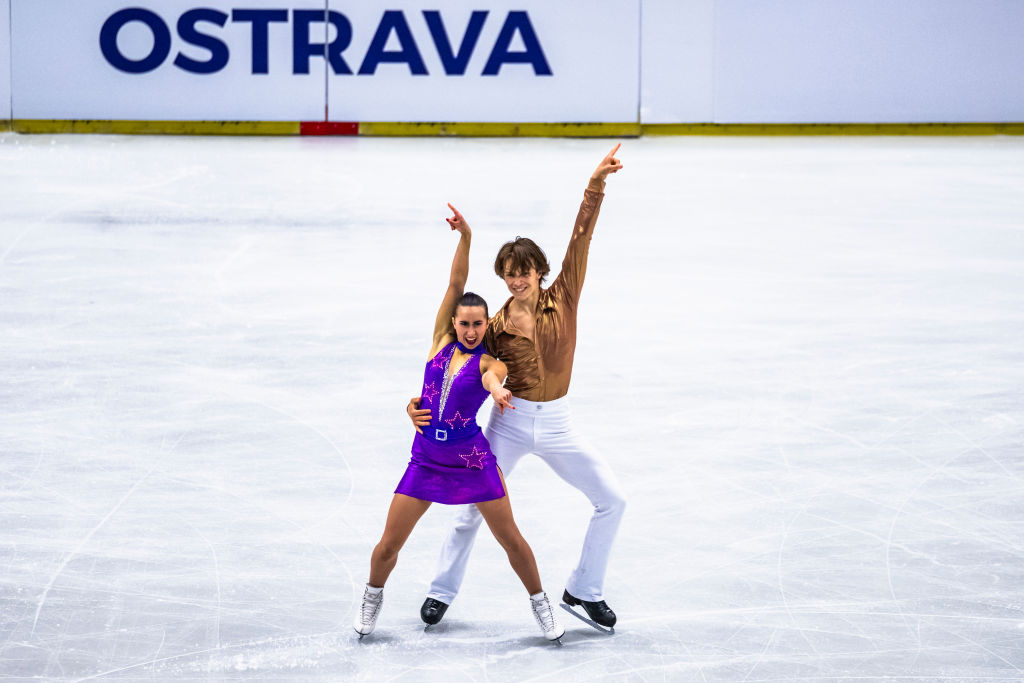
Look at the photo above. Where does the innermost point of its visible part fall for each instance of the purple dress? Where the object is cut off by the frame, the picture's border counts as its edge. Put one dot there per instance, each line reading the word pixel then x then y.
pixel 452 462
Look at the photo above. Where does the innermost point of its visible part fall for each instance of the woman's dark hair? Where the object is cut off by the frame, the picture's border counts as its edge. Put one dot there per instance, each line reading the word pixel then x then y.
pixel 518 256
pixel 471 299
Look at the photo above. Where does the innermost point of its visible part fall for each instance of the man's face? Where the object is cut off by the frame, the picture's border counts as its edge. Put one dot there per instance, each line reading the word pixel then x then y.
pixel 522 285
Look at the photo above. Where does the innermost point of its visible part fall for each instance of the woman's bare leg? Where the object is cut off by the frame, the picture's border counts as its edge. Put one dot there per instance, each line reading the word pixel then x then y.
pixel 402 517
pixel 498 515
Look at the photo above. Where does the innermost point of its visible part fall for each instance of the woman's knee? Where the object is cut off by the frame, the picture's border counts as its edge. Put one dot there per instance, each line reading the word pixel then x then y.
pixel 387 549
pixel 516 548
pixel 509 538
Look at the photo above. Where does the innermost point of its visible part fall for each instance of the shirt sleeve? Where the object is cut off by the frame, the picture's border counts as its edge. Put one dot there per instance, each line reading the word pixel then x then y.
pixel 574 266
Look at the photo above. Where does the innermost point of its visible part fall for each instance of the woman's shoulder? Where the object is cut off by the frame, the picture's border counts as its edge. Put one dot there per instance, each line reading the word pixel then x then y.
pixel 440 344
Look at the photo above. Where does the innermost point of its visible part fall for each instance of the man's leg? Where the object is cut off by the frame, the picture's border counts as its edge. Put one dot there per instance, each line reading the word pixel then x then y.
pixel 579 464
pixel 510 440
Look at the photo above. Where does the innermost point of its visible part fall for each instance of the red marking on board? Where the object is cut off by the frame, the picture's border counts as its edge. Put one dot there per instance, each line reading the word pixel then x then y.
pixel 329 128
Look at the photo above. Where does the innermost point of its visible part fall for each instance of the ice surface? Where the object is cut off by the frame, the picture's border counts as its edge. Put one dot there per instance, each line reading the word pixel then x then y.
pixel 804 358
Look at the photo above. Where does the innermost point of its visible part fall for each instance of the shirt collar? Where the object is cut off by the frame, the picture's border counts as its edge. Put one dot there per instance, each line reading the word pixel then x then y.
pixel 545 302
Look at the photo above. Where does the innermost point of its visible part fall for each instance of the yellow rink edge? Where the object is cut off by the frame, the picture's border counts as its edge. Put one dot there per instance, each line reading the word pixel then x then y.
pixel 41 126
pixel 654 129
pixel 462 129
pixel 531 130
pixel 833 128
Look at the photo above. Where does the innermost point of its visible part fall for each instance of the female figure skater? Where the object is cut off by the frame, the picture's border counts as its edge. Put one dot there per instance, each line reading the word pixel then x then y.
pixel 452 462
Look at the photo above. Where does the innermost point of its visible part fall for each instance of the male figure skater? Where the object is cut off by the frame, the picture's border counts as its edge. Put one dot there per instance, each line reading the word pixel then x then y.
pixel 534 334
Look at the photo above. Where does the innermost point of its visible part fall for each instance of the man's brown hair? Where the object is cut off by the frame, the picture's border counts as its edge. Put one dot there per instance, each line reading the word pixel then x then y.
pixel 518 256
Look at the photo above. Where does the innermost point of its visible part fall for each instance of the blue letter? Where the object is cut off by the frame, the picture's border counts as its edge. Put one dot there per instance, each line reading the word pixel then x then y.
pixel 161 40
pixel 302 50
pixel 393 20
pixel 455 64
pixel 260 19
pixel 218 50
pixel 534 54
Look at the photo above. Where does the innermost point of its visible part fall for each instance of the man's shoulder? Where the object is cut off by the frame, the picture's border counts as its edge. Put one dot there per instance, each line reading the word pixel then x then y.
pixel 555 295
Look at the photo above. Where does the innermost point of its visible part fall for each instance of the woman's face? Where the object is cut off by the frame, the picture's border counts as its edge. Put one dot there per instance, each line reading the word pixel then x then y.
pixel 470 324
pixel 522 285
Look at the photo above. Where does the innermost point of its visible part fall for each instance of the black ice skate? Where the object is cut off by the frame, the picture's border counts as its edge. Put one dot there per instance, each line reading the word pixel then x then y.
pixel 432 611
pixel 601 615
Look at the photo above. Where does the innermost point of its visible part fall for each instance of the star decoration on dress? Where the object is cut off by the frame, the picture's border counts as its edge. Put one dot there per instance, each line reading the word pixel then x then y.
pixel 474 460
pixel 439 361
pixel 458 418
pixel 429 392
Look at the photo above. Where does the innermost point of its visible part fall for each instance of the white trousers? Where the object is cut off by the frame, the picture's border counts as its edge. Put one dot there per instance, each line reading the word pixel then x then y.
pixel 546 430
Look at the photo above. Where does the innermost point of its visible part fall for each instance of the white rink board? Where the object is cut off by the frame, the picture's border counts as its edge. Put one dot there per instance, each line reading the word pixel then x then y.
pixel 826 61
pixel 832 61
pixel 5 60
pixel 677 66
pixel 61 73
pixel 590 46
pixel 719 61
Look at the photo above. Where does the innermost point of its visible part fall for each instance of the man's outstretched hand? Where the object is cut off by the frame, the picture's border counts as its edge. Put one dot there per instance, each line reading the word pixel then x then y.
pixel 608 165
pixel 420 418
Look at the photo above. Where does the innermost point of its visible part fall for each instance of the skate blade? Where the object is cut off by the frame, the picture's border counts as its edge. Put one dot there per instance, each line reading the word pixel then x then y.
pixel 590 622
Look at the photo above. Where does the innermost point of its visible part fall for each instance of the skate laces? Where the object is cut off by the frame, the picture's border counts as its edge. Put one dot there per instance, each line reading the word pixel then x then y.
pixel 543 613
pixel 371 605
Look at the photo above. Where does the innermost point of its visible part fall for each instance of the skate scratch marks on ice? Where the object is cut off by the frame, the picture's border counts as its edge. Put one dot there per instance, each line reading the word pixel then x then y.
pixel 208 650
pixel 216 571
pixel 82 544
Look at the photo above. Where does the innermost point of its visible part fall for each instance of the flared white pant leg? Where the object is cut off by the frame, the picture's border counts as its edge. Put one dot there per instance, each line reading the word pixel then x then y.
pixel 510 440
pixel 545 429
pixel 581 465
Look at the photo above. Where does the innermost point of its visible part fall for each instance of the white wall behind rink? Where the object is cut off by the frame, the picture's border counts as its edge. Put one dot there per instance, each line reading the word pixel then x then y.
pixel 591 47
pixel 832 61
pixel 5 60
pixel 61 73
pixel 662 61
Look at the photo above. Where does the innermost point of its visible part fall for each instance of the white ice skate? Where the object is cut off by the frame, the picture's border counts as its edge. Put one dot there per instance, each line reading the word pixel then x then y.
pixel 545 616
pixel 366 617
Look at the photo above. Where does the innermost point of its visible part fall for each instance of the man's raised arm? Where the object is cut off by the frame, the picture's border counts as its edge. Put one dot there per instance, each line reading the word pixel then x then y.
pixel 574 265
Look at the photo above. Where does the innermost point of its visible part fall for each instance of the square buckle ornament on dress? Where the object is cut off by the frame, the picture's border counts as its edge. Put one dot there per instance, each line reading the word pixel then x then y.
pixel 440 435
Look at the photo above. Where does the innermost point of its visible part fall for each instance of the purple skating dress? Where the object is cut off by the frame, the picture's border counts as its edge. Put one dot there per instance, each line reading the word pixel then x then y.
pixel 452 462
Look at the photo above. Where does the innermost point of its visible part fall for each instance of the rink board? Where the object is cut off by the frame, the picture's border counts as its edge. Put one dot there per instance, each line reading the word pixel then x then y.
pixel 272 61
pixel 485 129
pixel 610 67
pixel 590 49
pixel 831 61
pixel 58 43
pixel 5 64
pixel 792 61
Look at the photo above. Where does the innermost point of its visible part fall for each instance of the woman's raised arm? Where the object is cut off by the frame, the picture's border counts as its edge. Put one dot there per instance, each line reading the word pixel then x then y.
pixel 456 281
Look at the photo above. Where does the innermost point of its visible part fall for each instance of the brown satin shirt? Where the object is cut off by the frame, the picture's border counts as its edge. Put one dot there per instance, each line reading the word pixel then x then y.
pixel 540 369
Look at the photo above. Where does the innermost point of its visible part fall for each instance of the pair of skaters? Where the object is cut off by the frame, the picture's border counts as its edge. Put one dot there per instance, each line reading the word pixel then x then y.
pixel 533 338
